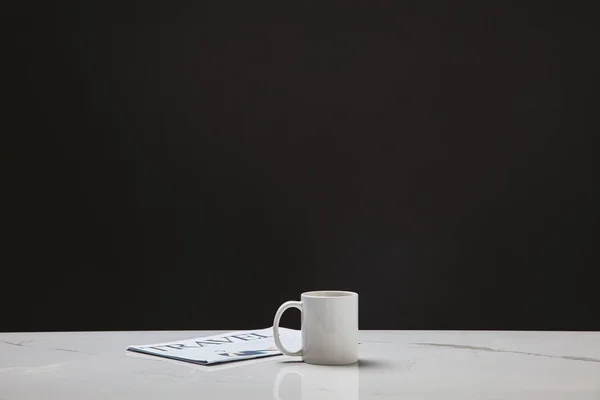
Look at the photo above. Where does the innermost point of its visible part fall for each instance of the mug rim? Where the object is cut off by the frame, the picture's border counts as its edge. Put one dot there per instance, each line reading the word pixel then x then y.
pixel 329 294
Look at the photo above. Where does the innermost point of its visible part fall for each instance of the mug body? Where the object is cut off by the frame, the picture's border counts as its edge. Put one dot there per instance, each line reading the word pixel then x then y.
pixel 330 327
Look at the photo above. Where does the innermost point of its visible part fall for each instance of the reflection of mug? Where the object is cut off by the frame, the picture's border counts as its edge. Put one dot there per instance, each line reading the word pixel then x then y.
pixel 329 327
pixel 321 383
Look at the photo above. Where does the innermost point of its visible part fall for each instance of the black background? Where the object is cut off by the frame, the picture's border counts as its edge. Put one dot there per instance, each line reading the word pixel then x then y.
pixel 192 165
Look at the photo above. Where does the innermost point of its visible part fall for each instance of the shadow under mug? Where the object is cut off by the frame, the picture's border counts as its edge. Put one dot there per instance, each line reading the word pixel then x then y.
pixel 320 383
pixel 329 327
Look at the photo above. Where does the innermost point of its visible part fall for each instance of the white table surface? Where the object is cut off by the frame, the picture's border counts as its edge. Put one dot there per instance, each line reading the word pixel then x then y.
pixel 394 364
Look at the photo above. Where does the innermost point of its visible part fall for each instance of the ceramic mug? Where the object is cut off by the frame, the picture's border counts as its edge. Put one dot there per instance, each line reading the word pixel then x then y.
pixel 329 327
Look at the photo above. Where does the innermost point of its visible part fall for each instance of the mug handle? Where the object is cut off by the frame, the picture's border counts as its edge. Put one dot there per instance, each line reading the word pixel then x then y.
pixel 278 314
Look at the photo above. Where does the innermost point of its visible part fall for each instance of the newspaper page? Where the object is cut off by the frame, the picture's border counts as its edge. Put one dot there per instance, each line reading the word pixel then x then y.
pixel 223 348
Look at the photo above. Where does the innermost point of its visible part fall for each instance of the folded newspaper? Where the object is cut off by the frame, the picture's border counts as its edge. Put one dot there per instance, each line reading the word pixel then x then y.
pixel 223 348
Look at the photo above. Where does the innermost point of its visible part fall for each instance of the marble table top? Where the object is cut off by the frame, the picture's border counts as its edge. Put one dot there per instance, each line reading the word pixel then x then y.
pixel 394 365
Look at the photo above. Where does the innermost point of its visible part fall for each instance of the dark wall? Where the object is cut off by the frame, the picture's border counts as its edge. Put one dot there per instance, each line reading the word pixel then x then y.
pixel 179 166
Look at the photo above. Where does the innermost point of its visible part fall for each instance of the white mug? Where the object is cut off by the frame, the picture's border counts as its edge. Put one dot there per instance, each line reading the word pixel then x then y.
pixel 319 383
pixel 329 327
